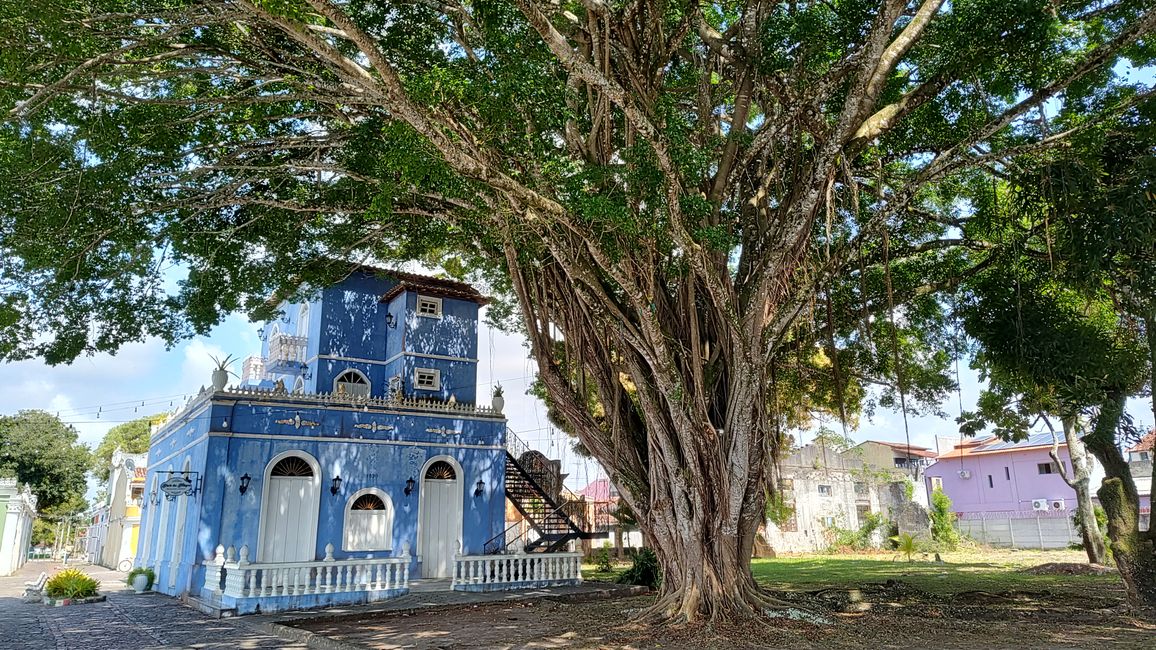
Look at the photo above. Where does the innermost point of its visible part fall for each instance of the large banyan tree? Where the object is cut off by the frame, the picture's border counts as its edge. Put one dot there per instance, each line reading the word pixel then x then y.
pixel 681 195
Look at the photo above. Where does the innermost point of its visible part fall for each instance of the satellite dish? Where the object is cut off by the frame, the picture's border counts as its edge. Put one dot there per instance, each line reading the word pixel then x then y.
pixel 129 465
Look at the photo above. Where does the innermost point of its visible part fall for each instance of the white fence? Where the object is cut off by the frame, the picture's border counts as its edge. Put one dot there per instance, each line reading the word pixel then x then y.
pixel 517 571
pixel 244 579
pixel 1020 529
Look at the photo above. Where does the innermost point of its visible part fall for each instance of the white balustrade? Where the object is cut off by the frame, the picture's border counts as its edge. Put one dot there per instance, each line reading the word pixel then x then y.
pixel 287 348
pixel 245 579
pixel 393 402
pixel 516 570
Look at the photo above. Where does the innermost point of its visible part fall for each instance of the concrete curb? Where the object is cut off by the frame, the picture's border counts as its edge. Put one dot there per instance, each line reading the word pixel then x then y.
pixel 310 639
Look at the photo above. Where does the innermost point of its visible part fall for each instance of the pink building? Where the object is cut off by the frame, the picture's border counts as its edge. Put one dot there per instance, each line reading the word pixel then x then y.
pixel 990 475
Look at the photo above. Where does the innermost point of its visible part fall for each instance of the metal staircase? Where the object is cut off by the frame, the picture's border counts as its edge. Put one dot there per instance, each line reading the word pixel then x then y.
pixel 534 487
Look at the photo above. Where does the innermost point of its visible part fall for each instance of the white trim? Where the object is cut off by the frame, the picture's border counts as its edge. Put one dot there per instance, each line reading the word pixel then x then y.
pixel 316 509
pixel 436 302
pixel 303 320
pixel 299 385
pixel 379 362
pixel 385 499
pixel 460 480
pixel 177 547
pixel 437 379
pixel 364 377
pixel 336 440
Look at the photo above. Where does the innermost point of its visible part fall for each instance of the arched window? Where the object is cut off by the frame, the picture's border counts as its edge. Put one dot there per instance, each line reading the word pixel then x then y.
pixel 351 382
pixel 368 521
pixel 441 471
pixel 299 385
pixel 303 320
pixel 294 466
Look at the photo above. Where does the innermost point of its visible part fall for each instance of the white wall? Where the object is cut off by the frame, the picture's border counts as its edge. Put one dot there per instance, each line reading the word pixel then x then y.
pixel 1021 530
pixel 18 512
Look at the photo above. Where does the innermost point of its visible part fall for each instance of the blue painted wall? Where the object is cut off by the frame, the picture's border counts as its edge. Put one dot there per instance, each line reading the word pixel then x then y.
pixel 225 439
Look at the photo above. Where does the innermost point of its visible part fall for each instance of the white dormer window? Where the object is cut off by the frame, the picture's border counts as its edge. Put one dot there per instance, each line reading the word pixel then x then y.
pixel 427 379
pixel 352 383
pixel 429 307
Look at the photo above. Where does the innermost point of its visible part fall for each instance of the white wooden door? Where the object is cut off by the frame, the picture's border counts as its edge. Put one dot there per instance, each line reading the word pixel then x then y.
pixel 290 520
pixel 440 520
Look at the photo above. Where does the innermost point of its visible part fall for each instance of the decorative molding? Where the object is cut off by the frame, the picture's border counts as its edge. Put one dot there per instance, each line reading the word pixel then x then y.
pixel 249 393
pixel 445 431
pixel 297 422
pixel 351 441
pixel 374 426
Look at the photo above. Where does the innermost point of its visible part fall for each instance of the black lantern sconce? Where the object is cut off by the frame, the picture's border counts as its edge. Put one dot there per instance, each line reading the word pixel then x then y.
pixel 154 498
pixel 261 333
pixel 244 486
pixel 336 487
pixel 479 488
pixel 390 322
pixel 408 486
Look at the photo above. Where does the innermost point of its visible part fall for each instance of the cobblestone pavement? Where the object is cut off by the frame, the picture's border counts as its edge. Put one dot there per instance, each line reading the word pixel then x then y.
pixel 136 621
pixel 126 620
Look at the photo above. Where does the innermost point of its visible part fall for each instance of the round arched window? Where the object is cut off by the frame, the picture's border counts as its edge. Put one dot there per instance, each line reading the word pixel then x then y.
pixel 368 502
pixel 441 471
pixel 293 466
pixel 351 382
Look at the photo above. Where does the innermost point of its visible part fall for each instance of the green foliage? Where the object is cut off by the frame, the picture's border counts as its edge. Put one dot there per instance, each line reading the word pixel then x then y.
pixel 1101 523
pixel 842 539
pixel 141 570
pixel 71 583
pixel 602 561
pixel 908 489
pixel 42 452
pixel 778 510
pixel 943 521
pixel 130 437
pixel 906 544
pixel 645 570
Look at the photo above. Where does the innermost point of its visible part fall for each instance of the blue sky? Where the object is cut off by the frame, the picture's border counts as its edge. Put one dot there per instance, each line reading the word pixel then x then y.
pixel 96 393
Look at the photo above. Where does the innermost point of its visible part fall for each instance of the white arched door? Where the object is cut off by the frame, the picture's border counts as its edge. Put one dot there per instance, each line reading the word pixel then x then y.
pixel 289 514
pixel 441 519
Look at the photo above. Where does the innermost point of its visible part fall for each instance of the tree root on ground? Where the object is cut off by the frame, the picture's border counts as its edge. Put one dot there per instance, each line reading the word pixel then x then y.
pixel 683 606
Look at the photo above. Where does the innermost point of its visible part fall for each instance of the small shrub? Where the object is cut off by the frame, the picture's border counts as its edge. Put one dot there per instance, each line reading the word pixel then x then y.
pixel 840 539
pixel 943 521
pixel 644 571
pixel 602 559
pixel 71 583
pixel 142 570
pixel 905 543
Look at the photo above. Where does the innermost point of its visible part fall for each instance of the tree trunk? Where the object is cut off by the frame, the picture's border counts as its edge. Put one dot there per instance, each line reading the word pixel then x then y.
pixel 618 542
pixel 1080 480
pixel 1131 549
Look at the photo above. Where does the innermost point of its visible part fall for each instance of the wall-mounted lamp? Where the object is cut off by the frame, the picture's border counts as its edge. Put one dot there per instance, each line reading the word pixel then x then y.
pixel 154 498
pixel 307 374
pixel 244 487
pixel 408 487
pixel 389 320
pixel 336 487
pixel 479 487
pixel 261 333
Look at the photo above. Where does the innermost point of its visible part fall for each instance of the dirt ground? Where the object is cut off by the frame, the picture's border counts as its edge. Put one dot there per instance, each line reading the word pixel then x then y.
pixel 891 614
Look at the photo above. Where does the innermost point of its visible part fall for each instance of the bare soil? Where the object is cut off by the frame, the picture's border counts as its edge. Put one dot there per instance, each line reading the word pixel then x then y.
pixel 891 614
pixel 1069 569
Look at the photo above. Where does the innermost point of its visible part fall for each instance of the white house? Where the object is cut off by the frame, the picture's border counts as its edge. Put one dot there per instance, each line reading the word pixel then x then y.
pixel 17 510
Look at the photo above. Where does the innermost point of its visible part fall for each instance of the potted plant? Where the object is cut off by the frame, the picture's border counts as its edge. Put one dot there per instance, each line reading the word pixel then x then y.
pixel 499 400
pixel 141 579
pixel 221 372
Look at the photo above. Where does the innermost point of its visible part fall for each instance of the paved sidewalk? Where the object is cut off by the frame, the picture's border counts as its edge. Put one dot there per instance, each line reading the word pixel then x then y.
pixel 125 621
pixel 128 621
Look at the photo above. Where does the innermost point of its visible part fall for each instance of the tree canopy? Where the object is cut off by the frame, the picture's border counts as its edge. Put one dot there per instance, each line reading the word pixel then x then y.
pixel 686 199
pixel 41 451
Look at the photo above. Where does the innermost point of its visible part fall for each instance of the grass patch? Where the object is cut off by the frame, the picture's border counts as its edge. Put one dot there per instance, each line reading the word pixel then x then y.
pixel 985 570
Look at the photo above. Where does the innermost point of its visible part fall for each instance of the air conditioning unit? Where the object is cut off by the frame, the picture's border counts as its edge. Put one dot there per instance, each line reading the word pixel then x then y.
pixel 1058 504
pixel 1040 504
pixel 965 474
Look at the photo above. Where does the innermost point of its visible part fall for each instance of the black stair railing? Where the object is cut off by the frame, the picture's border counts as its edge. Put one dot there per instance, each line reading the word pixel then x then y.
pixel 551 520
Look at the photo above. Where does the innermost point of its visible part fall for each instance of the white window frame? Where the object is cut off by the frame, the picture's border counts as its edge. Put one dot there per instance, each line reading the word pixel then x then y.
pixel 936 483
pixel 436 302
pixel 368 384
pixel 349 544
pixel 829 491
pixel 437 379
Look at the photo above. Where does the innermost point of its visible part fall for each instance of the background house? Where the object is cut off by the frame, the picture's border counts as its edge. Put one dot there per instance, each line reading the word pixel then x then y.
pixel 1140 458
pixel 1009 493
pixel 119 528
pixel 823 488
pixel 17 510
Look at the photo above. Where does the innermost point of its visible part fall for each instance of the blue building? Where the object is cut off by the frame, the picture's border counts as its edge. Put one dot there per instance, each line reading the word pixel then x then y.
pixel 353 457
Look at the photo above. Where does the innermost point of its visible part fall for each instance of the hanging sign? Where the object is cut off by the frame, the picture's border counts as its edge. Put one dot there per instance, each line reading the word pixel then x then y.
pixel 177 485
